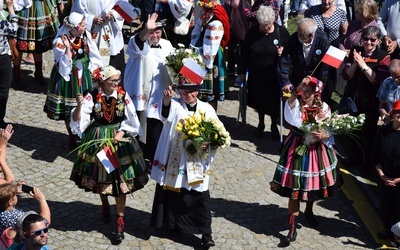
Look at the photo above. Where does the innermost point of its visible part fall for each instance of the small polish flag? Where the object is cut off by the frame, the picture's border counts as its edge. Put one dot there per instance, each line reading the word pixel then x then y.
pixel 334 57
pixel 193 71
pixel 126 10
pixel 108 159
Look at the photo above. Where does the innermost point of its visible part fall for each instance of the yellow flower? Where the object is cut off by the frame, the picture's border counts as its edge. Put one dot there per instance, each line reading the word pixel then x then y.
pixel 178 128
pixel 195 133
pixel 184 136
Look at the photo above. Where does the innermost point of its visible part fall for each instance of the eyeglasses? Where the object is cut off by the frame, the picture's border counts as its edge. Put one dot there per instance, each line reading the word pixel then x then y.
pixel 115 81
pixel 366 39
pixel 39 232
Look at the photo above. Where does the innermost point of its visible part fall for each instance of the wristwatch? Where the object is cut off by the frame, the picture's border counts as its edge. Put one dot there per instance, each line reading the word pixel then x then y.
pixel 365 68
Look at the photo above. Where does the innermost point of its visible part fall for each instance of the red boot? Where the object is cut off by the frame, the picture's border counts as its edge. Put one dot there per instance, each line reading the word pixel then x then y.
pixel 292 234
pixel 119 235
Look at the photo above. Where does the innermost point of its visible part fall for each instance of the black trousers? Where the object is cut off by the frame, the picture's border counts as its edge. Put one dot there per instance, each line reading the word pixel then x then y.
pixel 5 83
pixel 153 132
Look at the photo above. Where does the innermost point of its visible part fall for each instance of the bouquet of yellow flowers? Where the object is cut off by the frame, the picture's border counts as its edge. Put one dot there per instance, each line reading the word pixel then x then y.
pixel 177 59
pixel 200 134
pixel 335 124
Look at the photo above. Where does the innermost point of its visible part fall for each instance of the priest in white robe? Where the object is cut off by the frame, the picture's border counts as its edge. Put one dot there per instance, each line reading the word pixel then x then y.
pixel 146 79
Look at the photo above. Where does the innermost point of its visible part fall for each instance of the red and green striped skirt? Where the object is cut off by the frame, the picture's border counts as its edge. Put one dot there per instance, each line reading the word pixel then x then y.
pixel 61 94
pixel 307 177
pixel 89 174
pixel 37 26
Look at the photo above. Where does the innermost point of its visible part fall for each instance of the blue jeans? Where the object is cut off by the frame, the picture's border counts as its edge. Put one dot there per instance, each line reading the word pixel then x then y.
pixel 295 6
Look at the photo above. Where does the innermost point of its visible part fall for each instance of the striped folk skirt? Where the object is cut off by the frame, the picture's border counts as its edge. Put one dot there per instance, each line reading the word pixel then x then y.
pixel 307 177
pixel 37 26
pixel 61 94
pixel 89 174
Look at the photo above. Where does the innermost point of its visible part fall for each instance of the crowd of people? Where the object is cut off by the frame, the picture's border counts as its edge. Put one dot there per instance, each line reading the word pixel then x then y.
pixel 126 114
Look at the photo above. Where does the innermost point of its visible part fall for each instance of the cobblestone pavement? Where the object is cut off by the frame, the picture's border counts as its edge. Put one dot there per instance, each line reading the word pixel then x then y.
pixel 246 214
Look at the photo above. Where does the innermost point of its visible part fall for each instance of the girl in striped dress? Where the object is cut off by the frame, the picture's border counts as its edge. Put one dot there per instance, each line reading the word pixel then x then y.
pixel 76 56
pixel 306 170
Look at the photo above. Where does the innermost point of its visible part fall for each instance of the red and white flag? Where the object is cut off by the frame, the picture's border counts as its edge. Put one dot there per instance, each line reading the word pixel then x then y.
pixel 193 71
pixel 126 10
pixel 334 57
pixel 108 159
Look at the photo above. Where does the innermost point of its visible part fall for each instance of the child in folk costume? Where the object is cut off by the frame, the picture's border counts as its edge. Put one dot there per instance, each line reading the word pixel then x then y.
pixel 211 35
pixel 105 25
pixel 312 174
pixel 76 57
pixel 108 113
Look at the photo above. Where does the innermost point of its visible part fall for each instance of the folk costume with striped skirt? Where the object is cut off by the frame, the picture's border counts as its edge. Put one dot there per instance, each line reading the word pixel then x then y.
pixel 102 117
pixel 38 25
pixel 71 77
pixel 309 176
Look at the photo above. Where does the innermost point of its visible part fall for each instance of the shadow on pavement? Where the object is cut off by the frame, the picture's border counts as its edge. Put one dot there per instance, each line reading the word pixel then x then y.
pixel 272 220
pixel 40 140
pixel 78 216
pixel 30 85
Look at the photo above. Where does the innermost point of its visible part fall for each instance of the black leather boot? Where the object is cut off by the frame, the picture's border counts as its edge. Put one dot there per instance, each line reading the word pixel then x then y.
pixel 292 232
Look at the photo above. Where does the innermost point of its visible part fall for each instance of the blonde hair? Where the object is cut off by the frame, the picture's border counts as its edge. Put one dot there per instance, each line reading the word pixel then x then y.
pixel 368 8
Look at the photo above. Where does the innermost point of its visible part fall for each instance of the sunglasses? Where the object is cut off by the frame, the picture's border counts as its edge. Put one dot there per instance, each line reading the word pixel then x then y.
pixel 39 232
pixel 366 39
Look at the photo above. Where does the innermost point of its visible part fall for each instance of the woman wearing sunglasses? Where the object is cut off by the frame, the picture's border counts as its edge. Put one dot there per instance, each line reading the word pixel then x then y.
pixel 365 69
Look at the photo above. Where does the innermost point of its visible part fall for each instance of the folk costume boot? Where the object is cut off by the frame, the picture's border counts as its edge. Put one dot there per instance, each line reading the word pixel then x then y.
pixel 119 234
pixel 308 213
pixel 39 79
pixel 292 234
pixel 106 211
pixel 17 77
pixel 207 241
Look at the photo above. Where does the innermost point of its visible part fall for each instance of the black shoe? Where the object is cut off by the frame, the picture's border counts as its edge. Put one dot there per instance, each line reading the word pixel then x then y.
pixel 285 242
pixel 384 234
pixel 259 131
pixel 119 236
pixel 207 241
pixel 293 14
pixel 311 218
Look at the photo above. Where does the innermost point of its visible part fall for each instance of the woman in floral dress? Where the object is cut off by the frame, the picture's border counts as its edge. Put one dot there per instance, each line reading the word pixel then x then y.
pixel 108 113
pixel 305 171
